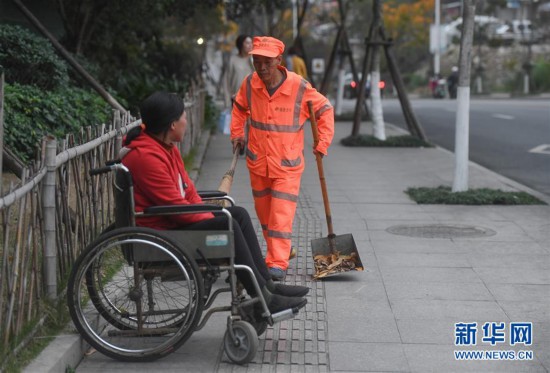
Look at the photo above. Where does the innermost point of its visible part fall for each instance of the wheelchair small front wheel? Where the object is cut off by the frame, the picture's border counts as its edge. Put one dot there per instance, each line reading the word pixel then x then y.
pixel 242 349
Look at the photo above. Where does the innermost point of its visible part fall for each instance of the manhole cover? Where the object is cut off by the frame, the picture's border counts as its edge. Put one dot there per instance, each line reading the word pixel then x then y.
pixel 440 231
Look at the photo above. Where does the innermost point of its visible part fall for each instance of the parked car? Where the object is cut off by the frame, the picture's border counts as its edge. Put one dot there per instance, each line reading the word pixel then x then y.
pixel 453 30
pixel 350 86
pixel 520 30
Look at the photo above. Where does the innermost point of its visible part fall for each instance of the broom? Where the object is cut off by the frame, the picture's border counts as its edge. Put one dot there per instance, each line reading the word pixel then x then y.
pixel 227 181
pixel 227 178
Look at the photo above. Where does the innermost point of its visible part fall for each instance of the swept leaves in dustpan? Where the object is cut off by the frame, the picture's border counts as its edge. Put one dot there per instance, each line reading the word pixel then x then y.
pixel 334 263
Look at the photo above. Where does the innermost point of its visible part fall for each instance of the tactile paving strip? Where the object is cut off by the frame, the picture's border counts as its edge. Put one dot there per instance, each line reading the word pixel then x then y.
pixel 299 344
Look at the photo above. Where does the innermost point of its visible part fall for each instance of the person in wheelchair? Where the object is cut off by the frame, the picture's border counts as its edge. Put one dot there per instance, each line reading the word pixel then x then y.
pixel 160 178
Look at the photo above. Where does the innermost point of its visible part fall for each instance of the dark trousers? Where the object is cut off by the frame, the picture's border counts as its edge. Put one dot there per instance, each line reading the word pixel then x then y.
pixel 247 247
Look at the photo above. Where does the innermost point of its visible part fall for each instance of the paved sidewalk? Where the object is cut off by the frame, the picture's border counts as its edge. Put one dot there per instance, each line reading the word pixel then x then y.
pixel 427 268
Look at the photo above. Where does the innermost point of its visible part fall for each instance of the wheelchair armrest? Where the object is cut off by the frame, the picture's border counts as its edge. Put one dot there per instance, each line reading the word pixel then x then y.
pixel 181 209
pixel 211 194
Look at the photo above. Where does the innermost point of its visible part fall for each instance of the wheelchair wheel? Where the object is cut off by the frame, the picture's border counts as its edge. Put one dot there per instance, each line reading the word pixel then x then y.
pixel 134 295
pixel 243 348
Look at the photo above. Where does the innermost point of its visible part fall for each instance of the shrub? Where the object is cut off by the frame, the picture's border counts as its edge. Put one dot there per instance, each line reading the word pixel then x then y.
pixel 482 196
pixel 31 113
pixel 541 76
pixel 211 113
pixel 392 141
pixel 413 81
pixel 30 59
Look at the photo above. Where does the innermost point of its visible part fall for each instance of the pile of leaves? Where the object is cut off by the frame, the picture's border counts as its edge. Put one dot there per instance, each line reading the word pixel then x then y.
pixel 334 263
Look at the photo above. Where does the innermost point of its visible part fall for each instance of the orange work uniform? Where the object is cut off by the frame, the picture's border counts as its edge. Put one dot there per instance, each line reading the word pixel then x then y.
pixel 275 151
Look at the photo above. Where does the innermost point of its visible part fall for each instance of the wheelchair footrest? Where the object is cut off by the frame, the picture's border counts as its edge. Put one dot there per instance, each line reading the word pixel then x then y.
pixel 284 315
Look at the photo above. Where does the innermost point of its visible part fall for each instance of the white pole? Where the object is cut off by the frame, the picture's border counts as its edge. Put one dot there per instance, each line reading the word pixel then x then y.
pixel 340 92
pixel 437 37
pixel 462 136
pixel 294 20
pixel 479 84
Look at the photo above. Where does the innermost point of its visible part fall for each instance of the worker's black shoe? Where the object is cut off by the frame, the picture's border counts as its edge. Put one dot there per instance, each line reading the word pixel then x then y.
pixel 290 290
pixel 280 303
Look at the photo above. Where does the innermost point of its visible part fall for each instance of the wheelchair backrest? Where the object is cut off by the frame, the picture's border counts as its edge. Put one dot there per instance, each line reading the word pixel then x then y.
pixel 124 199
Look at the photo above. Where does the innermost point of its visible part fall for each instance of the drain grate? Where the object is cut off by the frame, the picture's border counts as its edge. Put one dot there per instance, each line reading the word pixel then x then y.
pixel 440 231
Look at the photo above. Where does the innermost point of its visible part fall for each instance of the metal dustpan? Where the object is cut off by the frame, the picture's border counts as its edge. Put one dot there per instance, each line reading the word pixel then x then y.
pixel 334 254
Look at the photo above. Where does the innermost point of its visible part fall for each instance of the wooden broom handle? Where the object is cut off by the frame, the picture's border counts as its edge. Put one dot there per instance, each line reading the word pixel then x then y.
pixel 319 160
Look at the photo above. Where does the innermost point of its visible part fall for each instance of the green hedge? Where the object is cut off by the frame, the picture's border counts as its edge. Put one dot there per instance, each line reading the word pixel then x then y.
pixel 31 113
pixel 30 59
pixel 406 141
pixel 482 196
pixel 541 76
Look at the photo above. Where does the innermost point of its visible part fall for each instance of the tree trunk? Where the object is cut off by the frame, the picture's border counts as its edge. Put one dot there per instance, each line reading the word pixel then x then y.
pixel 460 182
pixel 1 126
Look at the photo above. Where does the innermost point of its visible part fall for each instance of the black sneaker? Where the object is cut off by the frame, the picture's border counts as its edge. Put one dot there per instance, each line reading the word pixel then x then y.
pixel 290 290
pixel 280 303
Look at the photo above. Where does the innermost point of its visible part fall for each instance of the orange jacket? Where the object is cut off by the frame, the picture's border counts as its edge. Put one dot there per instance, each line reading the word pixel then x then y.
pixel 275 142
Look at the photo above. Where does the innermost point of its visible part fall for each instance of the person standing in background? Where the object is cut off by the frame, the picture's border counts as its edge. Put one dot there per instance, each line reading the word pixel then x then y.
pixel 294 62
pixel 452 82
pixel 240 65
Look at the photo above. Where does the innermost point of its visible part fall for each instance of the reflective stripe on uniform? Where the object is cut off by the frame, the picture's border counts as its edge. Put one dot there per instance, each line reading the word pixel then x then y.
pixel 275 194
pixel 276 127
pixel 261 193
pixel 239 106
pixel 249 92
pixel 278 234
pixel 250 155
pixel 283 195
pixel 291 162
pixel 319 112
pixel 298 102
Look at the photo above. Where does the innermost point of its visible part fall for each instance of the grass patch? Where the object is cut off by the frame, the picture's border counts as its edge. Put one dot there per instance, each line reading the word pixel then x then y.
pixel 189 158
pixel 57 317
pixel 483 196
pixel 405 141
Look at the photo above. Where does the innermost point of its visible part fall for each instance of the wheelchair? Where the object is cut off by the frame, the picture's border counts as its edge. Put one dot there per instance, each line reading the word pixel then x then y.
pixel 138 294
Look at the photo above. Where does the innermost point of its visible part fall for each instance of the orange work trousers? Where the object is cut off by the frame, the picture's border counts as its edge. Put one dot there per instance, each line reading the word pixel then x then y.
pixel 275 202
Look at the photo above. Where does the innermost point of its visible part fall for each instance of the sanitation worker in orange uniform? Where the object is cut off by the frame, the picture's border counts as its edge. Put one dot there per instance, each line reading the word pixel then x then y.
pixel 275 101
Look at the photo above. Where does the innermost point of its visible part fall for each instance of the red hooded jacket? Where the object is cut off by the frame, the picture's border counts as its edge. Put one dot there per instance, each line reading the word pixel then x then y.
pixel 160 179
